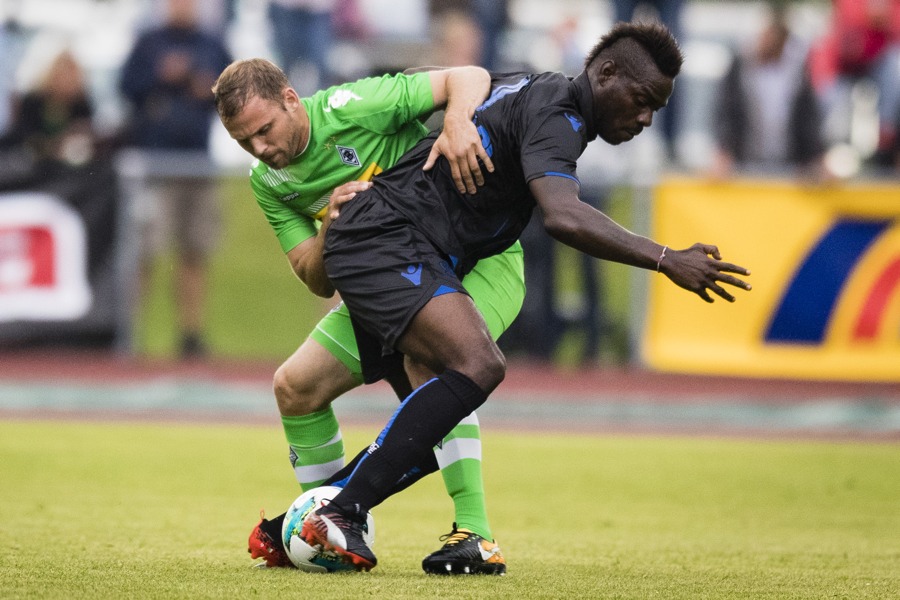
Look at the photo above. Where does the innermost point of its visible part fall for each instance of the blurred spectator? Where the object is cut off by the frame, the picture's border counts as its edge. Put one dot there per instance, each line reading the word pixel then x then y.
pixel 457 39
pixel 565 36
pixel 53 121
pixel 767 116
pixel 669 14
pixel 492 16
pixel 303 36
pixel 167 77
pixel 213 16
pixel 12 45
pixel 470 32
pixel 893 158
pixel 863 42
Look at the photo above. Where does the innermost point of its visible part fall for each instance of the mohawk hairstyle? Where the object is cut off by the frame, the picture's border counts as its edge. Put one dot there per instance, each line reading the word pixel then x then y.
pixel 654 38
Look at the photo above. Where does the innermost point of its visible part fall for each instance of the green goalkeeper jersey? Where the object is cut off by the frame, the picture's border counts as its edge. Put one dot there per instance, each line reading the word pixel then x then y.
pixel 356 130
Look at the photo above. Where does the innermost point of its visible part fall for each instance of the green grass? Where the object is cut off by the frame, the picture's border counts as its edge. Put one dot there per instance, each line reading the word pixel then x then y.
pixel 256 306
pixel 162 511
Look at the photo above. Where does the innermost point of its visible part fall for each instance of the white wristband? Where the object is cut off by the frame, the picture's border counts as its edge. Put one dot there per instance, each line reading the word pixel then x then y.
pixel 661 257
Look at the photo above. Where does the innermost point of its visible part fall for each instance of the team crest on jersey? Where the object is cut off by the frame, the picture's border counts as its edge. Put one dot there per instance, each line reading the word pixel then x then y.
pixel 348 156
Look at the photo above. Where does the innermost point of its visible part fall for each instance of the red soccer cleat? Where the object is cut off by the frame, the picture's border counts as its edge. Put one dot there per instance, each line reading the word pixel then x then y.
pixel 265 542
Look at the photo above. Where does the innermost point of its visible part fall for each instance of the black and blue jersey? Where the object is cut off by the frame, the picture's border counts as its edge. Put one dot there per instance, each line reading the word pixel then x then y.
pixel 531 125
pixel 413 236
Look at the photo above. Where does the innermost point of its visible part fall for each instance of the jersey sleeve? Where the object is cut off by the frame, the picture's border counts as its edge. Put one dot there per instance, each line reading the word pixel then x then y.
pixel 291 228
pixel 390 102
pixel 552 144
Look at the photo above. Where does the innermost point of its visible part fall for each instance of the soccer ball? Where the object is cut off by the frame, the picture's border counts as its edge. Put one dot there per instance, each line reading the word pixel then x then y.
pixel 314 559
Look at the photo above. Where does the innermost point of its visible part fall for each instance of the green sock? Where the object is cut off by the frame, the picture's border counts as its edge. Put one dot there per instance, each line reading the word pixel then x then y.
pixel 459 458
pixel 317 449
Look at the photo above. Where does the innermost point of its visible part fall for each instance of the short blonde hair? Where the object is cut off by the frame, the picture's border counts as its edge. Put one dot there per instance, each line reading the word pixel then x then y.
pixel 246 79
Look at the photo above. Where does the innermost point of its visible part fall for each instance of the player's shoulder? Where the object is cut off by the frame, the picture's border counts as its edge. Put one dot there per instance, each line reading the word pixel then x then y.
pixel 550 91
pixel 539 87
pixel 258 171
pixel 551 83
pixel 360 97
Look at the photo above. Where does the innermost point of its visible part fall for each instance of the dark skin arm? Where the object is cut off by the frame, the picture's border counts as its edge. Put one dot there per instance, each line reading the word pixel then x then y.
pixel 698 269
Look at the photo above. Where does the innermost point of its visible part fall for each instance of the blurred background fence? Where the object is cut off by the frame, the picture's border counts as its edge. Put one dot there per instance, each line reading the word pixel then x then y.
pixel 816 219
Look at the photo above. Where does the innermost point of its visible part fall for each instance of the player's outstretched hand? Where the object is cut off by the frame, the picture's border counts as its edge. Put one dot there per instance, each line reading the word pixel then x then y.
pixel 700 268
pixel 343 194
pixel 460 144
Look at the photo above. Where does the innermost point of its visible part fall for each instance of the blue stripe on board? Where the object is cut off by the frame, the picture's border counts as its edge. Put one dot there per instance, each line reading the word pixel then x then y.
pixel 803 315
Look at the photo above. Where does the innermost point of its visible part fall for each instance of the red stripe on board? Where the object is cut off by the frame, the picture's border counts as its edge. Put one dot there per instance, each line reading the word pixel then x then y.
pixel 873 311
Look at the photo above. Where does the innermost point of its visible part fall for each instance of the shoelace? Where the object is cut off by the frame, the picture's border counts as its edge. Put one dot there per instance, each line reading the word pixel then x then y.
pixel 454 537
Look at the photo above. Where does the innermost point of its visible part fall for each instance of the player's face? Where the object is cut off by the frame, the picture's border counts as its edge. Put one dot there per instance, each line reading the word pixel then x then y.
pixel 274 132
pixel 624 106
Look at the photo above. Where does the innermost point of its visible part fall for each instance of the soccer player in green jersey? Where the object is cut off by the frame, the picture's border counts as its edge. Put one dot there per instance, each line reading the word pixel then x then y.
pixel 307 147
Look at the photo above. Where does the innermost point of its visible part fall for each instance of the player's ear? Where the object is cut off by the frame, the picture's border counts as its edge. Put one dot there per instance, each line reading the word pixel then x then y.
pixel 606 70
pixel 290 99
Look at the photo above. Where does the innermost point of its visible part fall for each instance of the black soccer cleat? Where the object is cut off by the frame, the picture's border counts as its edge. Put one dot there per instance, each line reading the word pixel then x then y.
pixel 342 532
pixel 465 553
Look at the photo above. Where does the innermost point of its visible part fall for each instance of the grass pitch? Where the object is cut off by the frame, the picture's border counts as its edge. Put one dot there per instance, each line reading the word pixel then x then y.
pixel 118 510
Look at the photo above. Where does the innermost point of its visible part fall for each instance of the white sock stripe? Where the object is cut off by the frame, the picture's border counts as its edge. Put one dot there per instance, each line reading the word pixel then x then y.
pixel 310 473
pixel 337 437
pixel 457 449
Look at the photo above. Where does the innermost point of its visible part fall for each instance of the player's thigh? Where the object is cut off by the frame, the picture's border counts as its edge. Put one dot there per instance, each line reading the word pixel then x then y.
pixel 449 333
pixel 497 286
pixel 325 366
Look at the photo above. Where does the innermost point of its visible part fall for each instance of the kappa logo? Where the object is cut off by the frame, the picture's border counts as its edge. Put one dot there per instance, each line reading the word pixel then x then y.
pixel 372 447
pixel 290 197
pixel 414 274
pixel 348 156
pixel 339 99
pixel 575 122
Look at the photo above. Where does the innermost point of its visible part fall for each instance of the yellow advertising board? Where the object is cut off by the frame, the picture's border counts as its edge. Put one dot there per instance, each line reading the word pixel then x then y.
pixel 825 264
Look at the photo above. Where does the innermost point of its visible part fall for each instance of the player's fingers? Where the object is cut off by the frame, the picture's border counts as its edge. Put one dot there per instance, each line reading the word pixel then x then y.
pixel 475 170
pixel 732 268
pixel 482 155
pixel 351 187
pixel 720 291
pixel 467 178
pixel 432 158
pixel 730 280
pixel 457 177
pixel 703 294
pixel 710 250
pixel 485 159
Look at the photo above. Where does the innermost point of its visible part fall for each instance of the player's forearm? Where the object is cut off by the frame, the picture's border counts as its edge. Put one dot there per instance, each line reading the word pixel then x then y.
pixel 317 281
pixel 592 232
pixel 467 88
pixel 308 264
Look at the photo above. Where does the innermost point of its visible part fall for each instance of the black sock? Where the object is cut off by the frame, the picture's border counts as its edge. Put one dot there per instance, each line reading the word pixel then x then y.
pixel 428 466
pixel 422 420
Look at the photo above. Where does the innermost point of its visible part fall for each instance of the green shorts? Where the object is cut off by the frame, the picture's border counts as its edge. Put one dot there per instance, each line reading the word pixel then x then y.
pixel 496 284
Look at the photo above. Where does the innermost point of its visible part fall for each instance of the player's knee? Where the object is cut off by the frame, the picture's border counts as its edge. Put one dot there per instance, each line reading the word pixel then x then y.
pixel 486 366
pixel 295 396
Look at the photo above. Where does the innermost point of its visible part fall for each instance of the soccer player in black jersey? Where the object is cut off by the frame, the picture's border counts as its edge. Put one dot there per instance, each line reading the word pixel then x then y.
pixel 397 253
